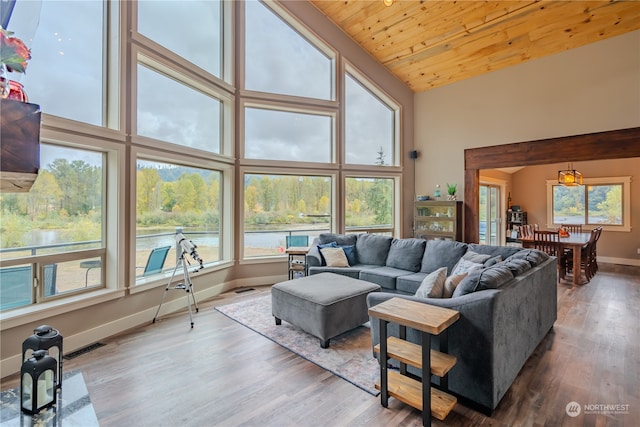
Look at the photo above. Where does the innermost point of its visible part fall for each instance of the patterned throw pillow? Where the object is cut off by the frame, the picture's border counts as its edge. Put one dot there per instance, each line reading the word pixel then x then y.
pixel 432 286
pixel 334 257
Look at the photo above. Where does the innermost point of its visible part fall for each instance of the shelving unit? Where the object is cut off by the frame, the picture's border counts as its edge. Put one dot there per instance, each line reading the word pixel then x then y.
pixel 515 219
pixel 297 261
pixel 430 320
pixel 438 220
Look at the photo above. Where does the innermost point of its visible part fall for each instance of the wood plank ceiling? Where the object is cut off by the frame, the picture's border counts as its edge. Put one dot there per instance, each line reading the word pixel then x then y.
pixel 431 43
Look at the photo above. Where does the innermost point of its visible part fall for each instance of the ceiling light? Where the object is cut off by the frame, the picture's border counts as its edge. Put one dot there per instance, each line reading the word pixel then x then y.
pixel 569 177
pixel 387 2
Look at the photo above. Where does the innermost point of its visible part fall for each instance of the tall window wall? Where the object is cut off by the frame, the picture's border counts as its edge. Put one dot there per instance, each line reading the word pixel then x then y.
pixel 144 129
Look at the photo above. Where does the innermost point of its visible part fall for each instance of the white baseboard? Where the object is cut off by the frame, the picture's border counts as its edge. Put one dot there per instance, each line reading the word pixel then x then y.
pixel 12 364
pixel 623 261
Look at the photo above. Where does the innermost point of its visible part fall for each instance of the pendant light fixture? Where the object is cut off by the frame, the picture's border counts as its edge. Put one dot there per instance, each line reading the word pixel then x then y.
pixel 569 177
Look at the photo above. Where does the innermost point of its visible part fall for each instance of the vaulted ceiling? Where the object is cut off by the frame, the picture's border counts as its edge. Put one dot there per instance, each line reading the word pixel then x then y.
pixel 431 43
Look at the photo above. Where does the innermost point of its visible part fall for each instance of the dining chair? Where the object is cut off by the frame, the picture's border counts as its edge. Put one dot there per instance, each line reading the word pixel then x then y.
pixel 572 228
pixel 547 241
pixel 588 262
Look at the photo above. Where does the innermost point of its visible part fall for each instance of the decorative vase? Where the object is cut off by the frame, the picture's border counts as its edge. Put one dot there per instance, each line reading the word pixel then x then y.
pixel 5 86
pixel 451 197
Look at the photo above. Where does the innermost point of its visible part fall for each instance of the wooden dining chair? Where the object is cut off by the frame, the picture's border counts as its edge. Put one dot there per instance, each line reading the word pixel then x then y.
pixel 547 241
pixel 588 262
pixel 572 228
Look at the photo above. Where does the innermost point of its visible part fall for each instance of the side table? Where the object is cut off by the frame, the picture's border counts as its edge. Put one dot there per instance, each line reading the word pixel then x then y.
pixel 297 260
pixel 430 320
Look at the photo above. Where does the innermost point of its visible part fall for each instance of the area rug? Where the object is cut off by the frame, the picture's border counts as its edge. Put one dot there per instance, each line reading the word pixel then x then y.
pixel 349 355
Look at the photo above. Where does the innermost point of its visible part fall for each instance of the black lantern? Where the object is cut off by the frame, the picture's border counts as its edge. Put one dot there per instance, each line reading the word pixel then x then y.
pixel 38 382
pixel 44 338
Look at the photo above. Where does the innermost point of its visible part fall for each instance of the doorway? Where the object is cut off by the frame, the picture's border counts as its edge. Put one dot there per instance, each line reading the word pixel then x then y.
pixel 489 214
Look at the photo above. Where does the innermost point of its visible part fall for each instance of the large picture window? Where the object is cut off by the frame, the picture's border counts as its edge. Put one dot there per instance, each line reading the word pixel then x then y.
pixel 199 39
pixel 277 206
pixel 285 135
pixel 600 201
pixel 369 204
pixel 278 59
pixel 173 199
pixel 177 113
pixel 369 126
pixel 61 217
pixel 67 41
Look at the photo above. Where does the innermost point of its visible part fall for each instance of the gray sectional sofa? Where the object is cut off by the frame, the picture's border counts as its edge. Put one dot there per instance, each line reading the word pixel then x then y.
pixel 506 309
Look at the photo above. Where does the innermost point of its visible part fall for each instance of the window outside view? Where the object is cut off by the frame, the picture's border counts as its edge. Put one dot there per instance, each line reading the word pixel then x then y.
pixel 62 213
pixel 277 206
pixel 588 204
pixel 369 203
pixel 176 199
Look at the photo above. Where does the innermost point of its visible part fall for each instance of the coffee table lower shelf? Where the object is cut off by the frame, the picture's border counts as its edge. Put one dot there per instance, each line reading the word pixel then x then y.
pixel 409 391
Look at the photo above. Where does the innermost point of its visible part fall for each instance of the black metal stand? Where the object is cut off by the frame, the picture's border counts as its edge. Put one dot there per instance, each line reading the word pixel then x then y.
pixel 186 286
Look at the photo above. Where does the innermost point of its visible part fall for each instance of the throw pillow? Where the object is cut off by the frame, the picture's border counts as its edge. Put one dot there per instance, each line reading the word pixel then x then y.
pixel 432 286
pixel 517 266
pixel 334 257
pixel 487 278
pixel 406 254
pixel 350 252
pixel 493 261
pixel 452 283
pixel 340 239
pixel 533 256
pixel 476 257
pixel 465 266
pixel 325 245
pixel 442 253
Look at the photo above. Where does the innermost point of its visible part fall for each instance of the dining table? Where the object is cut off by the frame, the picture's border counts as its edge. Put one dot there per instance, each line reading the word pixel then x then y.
pixel 575 242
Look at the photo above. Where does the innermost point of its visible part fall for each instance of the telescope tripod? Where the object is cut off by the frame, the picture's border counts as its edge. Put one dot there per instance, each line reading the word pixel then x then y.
pixel 186 286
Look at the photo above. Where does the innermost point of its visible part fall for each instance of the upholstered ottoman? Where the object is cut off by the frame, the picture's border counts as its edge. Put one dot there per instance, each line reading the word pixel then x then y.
pixel 324 305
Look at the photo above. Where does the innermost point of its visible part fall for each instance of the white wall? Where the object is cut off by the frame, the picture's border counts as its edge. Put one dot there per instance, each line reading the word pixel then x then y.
pixel 588 89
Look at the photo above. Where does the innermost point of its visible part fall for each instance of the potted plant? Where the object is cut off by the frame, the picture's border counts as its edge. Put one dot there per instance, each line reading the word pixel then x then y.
pixel 451 191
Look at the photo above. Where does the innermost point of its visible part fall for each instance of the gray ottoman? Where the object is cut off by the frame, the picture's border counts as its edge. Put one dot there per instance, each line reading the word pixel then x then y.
pixel 324 305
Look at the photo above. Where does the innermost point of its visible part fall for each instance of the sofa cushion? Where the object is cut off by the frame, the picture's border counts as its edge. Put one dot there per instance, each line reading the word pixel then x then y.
pixel 534 256
pixel 383 276
pixel 406 254
pixel 350 253
pixel 517 266
pixel 340 239
pixel 504 251
pixel 432 286
pixel 410 283
pixel 442 253
pixel 334 257
pixel 492 261
pixel 486 278
pixel 372 248
pixel 325 245
pixel 451 284
pixel 469 261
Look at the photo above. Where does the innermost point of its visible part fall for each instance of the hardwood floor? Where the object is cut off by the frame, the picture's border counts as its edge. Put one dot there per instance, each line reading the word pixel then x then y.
pixel 222 374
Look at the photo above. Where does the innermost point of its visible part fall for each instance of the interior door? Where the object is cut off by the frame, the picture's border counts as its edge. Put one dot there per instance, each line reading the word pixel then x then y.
pixel 489 214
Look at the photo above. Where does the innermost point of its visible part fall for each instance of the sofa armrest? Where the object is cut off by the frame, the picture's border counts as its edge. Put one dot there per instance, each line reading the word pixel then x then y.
pixel 313 256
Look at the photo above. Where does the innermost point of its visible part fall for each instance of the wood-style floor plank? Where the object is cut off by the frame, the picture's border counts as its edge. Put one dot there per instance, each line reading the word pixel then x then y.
pixel 222 374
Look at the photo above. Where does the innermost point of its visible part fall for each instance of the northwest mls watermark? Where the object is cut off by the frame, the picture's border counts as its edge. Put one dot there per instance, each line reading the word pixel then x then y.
pixel 574 409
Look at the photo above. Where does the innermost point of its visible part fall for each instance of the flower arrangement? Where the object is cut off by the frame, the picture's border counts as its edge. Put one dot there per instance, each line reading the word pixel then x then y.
pixel 14 54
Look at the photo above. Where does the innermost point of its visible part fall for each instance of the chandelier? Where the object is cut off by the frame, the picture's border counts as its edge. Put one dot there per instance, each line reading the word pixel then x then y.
pixel 569 177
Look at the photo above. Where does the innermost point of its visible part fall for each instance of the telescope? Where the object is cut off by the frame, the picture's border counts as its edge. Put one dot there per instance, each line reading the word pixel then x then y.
pixel 188 247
